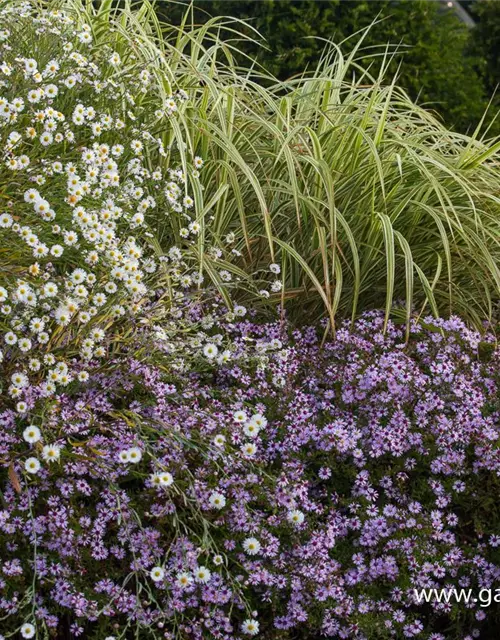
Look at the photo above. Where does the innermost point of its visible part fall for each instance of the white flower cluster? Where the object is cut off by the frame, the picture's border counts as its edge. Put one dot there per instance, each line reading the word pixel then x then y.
pixel 251 428
pixel 80 171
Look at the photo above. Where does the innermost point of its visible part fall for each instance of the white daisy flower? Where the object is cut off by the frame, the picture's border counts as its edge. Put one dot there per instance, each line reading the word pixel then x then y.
pixel 34 364
pixel 157 574
pixel 24 344
pixel 224 357
pixel 28 630
pixel 240 416
pixel 217 500
pixel 259 420
pixel 124 456
pixel 10 338
pixel 37 325
pixel 210 351
pixel 134 454
pixel 32 434
pixel 21 407
pixel 219 440
pixel 5 220
pixel 251 546
pixel 19 380
pixel 250 627
pixel 184 579
pixel 251 429
pixel 50 289
pixel 166 479
pixel 295 517
pixel 115 59
pixel 30 65
pixel 202 575
pixel 240 311
pixel 32 466
pixel 51 453
pixel 249 449
pixel 276 286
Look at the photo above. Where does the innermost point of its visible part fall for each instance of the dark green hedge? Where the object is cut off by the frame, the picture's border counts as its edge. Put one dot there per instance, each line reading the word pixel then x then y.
pixel 441 62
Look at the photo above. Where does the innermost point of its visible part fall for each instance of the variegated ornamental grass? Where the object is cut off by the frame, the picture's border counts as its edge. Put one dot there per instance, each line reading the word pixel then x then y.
pixel 362 197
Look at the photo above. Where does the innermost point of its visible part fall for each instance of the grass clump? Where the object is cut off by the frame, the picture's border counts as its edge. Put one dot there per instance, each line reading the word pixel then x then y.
pixel 362 197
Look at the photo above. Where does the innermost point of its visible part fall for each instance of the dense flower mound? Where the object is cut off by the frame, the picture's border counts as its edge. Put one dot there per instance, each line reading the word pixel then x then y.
pixel 81 167
pixel 252 480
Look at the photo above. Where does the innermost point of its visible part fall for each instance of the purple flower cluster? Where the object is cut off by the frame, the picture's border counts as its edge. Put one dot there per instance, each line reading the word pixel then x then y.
pixel 296 485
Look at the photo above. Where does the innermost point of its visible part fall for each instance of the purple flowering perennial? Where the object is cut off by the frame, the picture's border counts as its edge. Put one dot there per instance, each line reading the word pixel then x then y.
pixel 295 486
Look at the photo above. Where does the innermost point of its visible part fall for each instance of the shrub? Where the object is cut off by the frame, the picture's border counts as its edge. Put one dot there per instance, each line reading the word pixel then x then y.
pixel 431 47
pixel 486 41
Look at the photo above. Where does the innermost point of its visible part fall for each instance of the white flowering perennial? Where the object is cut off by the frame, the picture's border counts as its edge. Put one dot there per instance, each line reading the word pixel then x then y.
pixel 157 574
pixel 80 169
pixel 217 500
pixel 250 627
pixel 28 630
pixel 84 176
pixel 251 546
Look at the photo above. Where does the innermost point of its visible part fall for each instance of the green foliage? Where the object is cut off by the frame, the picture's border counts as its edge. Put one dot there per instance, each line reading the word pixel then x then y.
pixel 433 59
pixel 486 42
